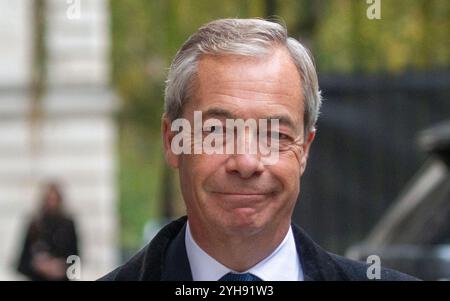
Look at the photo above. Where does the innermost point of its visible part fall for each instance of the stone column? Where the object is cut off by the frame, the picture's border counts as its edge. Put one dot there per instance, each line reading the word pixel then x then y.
pixel 78 132
pixel 16 185
pixel 68 134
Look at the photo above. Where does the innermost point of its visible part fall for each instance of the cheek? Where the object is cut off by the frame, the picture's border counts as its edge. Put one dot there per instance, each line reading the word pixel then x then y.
pixel 197 169
pixel 287 170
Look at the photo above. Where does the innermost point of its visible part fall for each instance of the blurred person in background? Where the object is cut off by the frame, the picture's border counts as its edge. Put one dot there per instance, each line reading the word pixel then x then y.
pixel 49 240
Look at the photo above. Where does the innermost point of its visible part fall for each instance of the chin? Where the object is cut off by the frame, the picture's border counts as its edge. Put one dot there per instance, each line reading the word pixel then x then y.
pixel 244 220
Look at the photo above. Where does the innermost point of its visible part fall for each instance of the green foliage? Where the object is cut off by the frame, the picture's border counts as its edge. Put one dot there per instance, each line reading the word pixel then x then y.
pixel 141 168
pixel 410 35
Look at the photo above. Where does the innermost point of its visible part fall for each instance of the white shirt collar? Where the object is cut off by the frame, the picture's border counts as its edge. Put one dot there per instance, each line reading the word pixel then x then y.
pixel 282 265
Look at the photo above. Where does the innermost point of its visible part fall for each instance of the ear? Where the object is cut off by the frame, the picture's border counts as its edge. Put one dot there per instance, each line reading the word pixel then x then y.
pixel 305 150
pixel 167 134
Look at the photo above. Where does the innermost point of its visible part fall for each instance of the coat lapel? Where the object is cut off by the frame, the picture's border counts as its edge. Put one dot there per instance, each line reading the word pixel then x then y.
pixel 316 263
pixel 176 263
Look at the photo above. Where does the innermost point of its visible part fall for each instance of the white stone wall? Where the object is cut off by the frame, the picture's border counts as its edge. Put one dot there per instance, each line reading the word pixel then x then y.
pixel 73 139
pixel 78 46
pixel 16 40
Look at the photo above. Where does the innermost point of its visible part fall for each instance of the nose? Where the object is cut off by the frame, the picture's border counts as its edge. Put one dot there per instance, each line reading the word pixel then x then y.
pixel 244 165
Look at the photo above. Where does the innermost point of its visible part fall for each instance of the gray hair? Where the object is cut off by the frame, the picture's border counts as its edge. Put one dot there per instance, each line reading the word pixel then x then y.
pixel 246 37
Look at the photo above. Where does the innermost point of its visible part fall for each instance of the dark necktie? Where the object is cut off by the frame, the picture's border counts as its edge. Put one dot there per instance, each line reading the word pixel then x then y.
pixel 239 277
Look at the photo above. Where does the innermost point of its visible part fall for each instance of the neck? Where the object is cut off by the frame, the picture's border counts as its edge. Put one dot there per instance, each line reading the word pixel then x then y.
pixel 238 251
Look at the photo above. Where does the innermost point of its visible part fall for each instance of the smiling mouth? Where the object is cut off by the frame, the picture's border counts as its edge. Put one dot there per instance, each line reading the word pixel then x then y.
pixel 242 193
pixel 242 196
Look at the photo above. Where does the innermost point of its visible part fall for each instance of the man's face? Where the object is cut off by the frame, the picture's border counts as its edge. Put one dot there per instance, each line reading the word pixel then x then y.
pixel 237 193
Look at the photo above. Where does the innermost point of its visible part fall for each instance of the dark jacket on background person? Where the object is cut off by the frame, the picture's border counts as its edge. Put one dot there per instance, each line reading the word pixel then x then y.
pixel 165 258
pixel 52 234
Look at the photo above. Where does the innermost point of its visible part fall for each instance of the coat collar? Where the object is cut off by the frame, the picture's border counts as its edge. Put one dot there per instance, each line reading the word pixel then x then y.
pixel 317 264
pixel 177 266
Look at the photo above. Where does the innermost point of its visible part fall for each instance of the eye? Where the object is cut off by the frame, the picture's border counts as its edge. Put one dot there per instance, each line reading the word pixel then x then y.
pixel 280 136
pixel 214 129
pixel 283 136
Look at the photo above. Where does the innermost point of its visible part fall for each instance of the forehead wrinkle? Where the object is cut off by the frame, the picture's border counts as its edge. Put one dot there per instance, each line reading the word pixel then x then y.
pixel 273 87
pixel 260 96
pixel 241 69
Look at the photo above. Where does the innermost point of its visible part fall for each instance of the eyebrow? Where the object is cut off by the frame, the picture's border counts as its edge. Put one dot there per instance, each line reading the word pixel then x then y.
pixel 222 113
pixel 219 113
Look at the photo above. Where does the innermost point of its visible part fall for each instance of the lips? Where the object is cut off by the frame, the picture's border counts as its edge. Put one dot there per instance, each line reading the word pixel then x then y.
pixel 226 188
pixel 240 193
pixel 240 197
pixel 243 191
